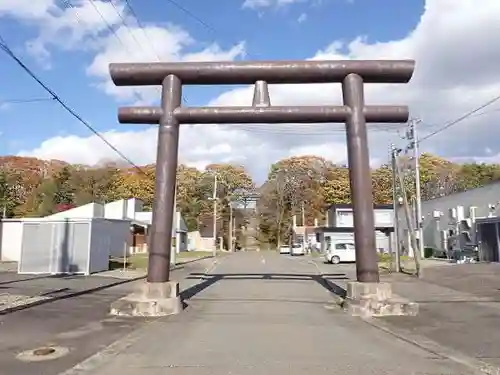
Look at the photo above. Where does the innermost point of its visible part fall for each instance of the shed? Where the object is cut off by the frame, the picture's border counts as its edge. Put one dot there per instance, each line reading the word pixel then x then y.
pixel 74 246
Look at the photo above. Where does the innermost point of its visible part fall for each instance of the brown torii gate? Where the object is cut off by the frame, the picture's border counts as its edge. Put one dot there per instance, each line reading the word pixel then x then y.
pixel 170 115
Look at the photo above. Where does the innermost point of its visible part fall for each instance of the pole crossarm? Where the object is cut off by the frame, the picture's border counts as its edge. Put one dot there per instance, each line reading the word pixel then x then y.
pixel 273 72
pixel 262 115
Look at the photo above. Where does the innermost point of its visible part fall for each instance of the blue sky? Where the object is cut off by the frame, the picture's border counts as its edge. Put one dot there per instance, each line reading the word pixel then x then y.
pixel 292 30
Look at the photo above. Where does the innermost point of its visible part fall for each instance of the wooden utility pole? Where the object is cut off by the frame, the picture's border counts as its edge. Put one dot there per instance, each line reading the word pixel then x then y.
pixel 214 216
pixel 413 137
pixel 395 206
pixel 409 221
pixel 230 226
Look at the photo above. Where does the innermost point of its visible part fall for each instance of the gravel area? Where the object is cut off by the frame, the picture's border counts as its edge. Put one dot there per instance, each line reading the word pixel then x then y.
pixel 9 301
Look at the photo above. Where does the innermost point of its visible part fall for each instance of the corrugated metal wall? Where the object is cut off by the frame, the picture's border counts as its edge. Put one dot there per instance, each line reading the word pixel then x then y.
pixel 55 248
pixel 480 198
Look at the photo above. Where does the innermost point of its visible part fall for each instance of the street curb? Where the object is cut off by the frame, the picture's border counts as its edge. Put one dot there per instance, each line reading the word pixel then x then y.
pixel 10 310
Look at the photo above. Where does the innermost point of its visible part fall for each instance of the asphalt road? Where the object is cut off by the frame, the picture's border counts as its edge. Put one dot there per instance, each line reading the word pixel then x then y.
pixel 262 313
pixel 79 323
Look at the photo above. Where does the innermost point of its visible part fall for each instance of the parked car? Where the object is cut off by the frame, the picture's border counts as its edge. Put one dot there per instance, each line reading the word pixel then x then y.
pixel 297 249
pixel 285 249
pixel 341 252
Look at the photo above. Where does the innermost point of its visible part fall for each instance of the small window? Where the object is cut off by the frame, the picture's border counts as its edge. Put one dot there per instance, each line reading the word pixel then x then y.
pixel 340 246
pixel 350 246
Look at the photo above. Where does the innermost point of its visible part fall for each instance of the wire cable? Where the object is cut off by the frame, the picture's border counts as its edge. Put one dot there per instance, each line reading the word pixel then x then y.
pixel 57 98
pixel 24 101
pixel 456 121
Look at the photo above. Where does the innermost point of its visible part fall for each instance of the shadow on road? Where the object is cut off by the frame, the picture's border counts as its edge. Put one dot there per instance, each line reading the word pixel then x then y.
pixel 45 276
pixel 208 280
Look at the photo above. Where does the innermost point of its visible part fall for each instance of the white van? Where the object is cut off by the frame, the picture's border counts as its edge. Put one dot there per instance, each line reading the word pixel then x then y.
pixel 297 249
pixel 341 252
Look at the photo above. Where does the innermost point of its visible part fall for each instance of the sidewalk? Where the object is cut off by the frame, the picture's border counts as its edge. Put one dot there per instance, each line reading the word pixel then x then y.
pixel 461 314
pixel 261 314
pixel 23 291
pixel 459 310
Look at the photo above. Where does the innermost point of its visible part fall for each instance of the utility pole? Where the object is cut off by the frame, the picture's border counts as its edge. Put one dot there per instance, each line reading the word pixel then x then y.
pixel 409 221
pixel 412 136
pixel 214 198
pixel 230 225
pixel 173 252
pixel 394 155
pixel 303 211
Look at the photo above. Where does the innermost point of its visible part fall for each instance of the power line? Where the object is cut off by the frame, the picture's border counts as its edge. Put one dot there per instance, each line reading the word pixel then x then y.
pixel 449 124
pixel 302 129
pixel 23 101
pixel 108 25
pixel 192 15
pixel 141 27
pixel 55 97
pixel 124 24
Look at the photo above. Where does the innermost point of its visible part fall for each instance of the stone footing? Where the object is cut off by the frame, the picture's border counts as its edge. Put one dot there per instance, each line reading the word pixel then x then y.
pixel 152 299
pixel 376 299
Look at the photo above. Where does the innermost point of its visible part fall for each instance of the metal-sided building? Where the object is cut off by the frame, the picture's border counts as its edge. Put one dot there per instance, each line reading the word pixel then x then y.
pixel 79 240
pixel 460 221
pixel 340 226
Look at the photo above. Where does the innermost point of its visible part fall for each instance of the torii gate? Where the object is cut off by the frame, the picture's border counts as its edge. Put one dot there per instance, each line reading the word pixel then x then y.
pixel 354 113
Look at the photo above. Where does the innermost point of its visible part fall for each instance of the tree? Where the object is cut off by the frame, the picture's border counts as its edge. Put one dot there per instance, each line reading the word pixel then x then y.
pixel 438 177
pixel 133 183
pixel 337 189
pixel 382 185
pixel 234 185
pixel 296 184
pixel 94 184
pixel 9 193
pixel 193 194
pixel 64 192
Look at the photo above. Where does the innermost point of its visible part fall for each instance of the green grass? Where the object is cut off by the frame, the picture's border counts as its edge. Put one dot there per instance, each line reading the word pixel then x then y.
pixel 386 262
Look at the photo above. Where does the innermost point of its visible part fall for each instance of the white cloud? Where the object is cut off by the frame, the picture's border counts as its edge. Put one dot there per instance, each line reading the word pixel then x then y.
pixel 72 25
pixel 259 4
pixel 302 18
pixel 26 9
pixel 457 70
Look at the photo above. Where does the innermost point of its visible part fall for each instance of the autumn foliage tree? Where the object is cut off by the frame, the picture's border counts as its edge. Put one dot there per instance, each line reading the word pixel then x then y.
pixel 33 187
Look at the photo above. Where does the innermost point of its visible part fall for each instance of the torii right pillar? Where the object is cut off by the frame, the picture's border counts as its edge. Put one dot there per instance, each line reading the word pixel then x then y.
pixel 367 296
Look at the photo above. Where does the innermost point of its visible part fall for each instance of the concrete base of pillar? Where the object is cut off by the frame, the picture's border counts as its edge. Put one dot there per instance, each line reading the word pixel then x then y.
pixel 151 300
pixel 375 300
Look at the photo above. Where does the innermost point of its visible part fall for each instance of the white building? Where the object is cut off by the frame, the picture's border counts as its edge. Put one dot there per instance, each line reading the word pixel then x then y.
pixel 80 240
pixel 461 222
pixel 340 226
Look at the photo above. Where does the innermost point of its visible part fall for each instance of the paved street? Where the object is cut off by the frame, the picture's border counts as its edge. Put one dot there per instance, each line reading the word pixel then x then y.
pixel 262 313
pixel 78 323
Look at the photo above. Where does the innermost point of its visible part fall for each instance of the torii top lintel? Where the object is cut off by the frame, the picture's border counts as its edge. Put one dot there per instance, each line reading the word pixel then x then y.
pixel 273 72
